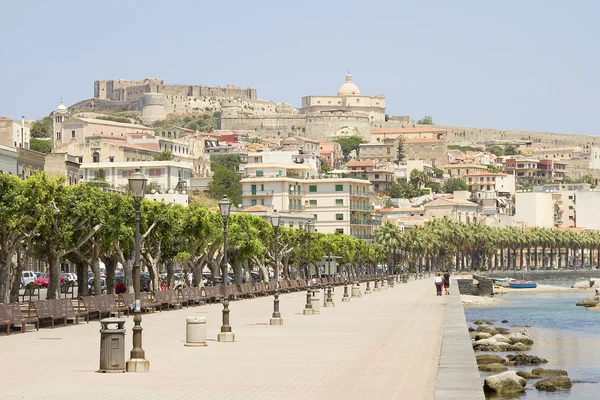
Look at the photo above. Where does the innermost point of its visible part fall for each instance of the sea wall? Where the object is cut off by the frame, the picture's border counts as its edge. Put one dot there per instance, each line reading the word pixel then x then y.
pixel 545 275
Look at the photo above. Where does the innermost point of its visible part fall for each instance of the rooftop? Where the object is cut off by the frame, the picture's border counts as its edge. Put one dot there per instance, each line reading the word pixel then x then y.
pixel 382 131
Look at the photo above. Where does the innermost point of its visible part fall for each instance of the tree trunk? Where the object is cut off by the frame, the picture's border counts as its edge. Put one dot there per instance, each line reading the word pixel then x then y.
pixel 22 257
pixel 54 268
pixel 82 280
pixel 110 262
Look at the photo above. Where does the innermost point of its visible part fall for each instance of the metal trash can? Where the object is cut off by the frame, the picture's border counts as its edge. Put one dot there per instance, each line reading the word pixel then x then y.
pixel 112 345
pixel 356 290
pixel 315 300
pixel 195 331
pixel 405 278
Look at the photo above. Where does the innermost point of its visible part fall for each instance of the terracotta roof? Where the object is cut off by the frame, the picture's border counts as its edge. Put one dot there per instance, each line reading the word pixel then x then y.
pixel 465 166
pixel 148 147
pixel 360 164
pixel 258 207
pixel 383 170
pixel 4 119
pixel 380 131
pixel 550 150
pixel 487 174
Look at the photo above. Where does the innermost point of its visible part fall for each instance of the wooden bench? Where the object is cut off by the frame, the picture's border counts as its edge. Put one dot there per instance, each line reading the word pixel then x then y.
pixel 148 302
pixel 43 311
pixel 67 288
pixel 246 290
pixel 160 298
pixel 115 306
pixel 186 297
pixel 172 299
pixel 199 295
pixel 88 304
pixel 72 312
pixel 31 290
pixel 4 319
pixel 19 318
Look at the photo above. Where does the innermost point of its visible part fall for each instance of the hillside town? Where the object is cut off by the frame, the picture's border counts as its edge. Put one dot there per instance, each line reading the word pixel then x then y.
pixel 345 164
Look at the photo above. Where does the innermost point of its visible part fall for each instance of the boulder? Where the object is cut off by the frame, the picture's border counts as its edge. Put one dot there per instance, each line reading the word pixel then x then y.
pixel 490 359
pixel 487 329
pixel 493 367
pixel 505 321
pixel 528 375
pixel 518 347
pixel 526 359
pixel 553 384
pixel 501 338
pixel 520 337
pixel 549 372
pixel 589 302
pixel 506 383
pixel 482 335
pixel 582 285
pixel 503 331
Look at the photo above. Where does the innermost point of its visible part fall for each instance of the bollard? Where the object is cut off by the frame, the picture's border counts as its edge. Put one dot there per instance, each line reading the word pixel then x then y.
pixel 345 298
pixel 315 301
pixel 384 283
pixel 376 288
pixel 112 345
pixel 308 310
pixel 195 332
pixel 356 290
pixel 329 299
pixel 368 289
pixel 404 278
pixel 391 281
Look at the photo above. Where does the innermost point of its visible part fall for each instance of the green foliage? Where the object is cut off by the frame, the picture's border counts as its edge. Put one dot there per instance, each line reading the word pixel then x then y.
pixel 348 144
pixel 434 186
pixel 404 190
pixel 41 145
pixel 438 172
pixel 202 123
pixel 165 155
pixel 400 154
pixel 510 150
pixel 426 120
pixel 455 184
pixel 226 179
pixel 42 128
pixel 493 169
pixel 463 148
pixel 114 119
pixel 496 150
pixel 418 179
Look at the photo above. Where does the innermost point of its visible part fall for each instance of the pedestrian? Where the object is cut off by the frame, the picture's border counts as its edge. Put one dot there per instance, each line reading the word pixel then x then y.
pixel 164 285
pixel 447 282
pixel 438 284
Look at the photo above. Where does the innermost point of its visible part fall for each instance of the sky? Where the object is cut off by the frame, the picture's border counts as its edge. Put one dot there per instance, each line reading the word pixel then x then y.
pixel 512 64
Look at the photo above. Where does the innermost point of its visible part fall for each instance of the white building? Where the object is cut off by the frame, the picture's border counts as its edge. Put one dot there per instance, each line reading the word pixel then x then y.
pixel 535 209
pixel 404 168
pixel 458 208
pixel 165 174
pixel 488 181
pixel 8 160
pixel 14 133
pixel 587 210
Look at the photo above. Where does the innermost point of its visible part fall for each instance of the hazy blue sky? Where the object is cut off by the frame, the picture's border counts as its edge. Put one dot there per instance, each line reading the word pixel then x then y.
pixel 521 64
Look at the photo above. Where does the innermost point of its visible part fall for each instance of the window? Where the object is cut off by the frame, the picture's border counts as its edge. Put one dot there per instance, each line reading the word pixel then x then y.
pixel 111 159
pixel 262 188
pixel 339 230
pixel 339 217
pixel 339 202
pixel 253 202
pixel 376 176
pixel 95 157
pixel 339 188
pixel 379 151
pixel 312 203
pixel 388 150
pixel 72 134
pixel 260 172
pixel 312 188
pixel 80 160
pixel 57 135
pixel 126 173
pixel 155 172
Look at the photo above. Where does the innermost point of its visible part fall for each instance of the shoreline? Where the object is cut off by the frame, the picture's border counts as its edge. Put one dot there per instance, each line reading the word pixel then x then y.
pixel 499 290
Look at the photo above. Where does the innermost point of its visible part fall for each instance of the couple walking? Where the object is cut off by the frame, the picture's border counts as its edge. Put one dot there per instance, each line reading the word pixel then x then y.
pixel 445 281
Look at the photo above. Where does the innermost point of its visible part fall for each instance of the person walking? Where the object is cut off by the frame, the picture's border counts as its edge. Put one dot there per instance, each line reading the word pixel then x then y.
pixel 438 284
pixel 447 282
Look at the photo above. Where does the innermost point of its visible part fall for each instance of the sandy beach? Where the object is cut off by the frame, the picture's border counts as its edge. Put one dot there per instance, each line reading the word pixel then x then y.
pixel 481 301
pixel 542 289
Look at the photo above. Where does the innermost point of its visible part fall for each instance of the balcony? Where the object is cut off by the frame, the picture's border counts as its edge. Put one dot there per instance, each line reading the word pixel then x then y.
pixel 355 207
pixel 296 208
pixel 354 221
pixel 258 193
pixel 296 192
pixel 363 237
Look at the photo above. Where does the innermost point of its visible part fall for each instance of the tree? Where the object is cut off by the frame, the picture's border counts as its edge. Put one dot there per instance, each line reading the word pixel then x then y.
pixel 226 179
pixel 349 144
pixel 438 172
pixel 43 146
pixel 493 169
pixel 165 155
pixel 400 155
pixel 496 150
pixel 510 150
pixel 426 120
pixel 42 128
pixel 455 184
pixel 418 179
pixel 434 186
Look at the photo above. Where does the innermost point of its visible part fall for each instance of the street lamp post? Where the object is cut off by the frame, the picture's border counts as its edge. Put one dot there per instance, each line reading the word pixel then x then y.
pixel 137 361
pixel 276 317
pixel 308 309
pixel 225 335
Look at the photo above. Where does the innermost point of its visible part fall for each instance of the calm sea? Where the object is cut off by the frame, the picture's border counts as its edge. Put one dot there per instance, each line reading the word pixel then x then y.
pixel 566 335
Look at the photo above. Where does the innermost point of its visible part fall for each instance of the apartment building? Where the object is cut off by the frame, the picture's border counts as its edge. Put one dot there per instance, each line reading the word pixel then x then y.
pixel 535 171
pixel 430 150
pixel 14 133
pixel 460 170
pixel 338 205
pixel 487 181
pixel 8 160
pixel 535 209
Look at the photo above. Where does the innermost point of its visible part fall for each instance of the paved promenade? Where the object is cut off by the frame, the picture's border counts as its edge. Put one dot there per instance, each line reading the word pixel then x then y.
pixel 382 346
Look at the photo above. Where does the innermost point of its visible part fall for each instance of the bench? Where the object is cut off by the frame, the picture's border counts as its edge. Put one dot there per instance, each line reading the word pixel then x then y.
pixel 31 290
pixel 148 302
pixel 172 299
pixel 213 294
pixel 246 290
pixel 186 297
pixel 88 304
pixel 160 298
pixel 43 311
pixel 67 288
pixel 72 312
pixel 199 295
pixel 20 318
pixel 115 306
pixel 4 319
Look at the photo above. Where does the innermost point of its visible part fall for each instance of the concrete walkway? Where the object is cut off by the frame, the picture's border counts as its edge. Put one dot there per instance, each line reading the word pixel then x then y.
pixel 382 346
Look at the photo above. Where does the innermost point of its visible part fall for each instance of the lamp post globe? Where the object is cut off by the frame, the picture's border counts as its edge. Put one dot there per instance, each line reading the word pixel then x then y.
pixel 276 317
pixel 225 335
pixel 137 361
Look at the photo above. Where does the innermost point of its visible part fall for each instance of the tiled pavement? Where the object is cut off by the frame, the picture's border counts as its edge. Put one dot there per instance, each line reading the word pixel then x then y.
pixel 382 346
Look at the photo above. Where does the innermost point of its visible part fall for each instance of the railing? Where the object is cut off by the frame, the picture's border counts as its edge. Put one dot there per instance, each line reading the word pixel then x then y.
pixel 299 208
pixel 258 193
pixel 361 208
pixel 361 222
pixel 364 237
pixel 296 192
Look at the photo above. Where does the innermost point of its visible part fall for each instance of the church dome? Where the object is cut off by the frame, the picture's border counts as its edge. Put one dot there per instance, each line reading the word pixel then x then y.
pixel 349 88
pixel 61 107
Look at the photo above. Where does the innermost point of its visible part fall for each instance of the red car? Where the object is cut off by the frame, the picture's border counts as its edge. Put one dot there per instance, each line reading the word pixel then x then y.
pixel 43 280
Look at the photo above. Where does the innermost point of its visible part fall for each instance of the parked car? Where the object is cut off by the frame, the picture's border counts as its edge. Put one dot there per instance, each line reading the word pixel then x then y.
pixel 27 277
pixel 44 279
pixel 69 277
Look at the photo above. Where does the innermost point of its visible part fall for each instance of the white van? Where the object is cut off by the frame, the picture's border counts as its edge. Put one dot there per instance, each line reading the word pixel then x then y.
pixel 27 277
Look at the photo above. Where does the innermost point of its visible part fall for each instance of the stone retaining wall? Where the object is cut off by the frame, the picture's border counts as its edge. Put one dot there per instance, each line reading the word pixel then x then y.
pixel 465 286
pixel 539 275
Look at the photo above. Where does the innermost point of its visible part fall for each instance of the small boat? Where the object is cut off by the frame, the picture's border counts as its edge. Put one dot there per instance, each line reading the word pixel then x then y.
pixel 522 284
pixel 504 282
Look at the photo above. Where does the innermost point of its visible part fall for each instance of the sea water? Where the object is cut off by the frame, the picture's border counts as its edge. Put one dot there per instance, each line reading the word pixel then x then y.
pixel 566 335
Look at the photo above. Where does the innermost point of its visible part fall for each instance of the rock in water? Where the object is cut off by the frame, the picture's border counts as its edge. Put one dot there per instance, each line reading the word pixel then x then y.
pixel 482 335
pixel 490 359
pixel 505 383
pixel 553 384
pixel 549 372
pixel 505 321
pixel 525 359
pixel 582 285
pixel 493 367
pixel 528 375
pixel 589 302
pixel 487 329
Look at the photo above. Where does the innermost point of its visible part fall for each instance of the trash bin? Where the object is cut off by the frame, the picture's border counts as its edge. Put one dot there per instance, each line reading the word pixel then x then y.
pixel 315 300
pixel 356 290
pixel 112 345
pixel 405 278
pixel 195 331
